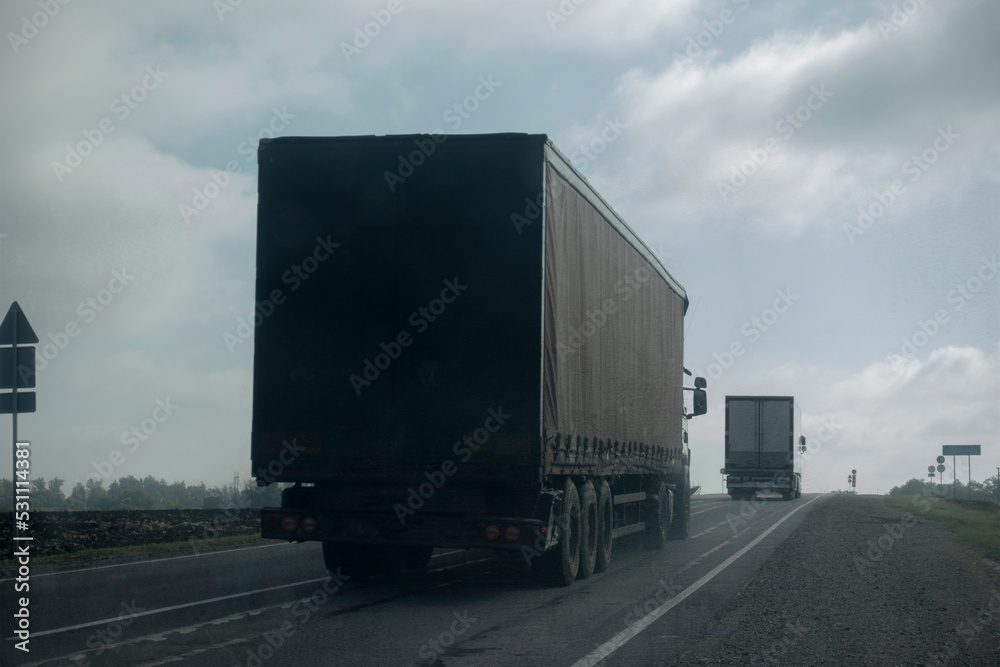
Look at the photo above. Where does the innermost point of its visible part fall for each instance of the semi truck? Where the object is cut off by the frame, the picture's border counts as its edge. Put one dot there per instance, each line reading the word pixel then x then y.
pixel 459 344
pixel 761 437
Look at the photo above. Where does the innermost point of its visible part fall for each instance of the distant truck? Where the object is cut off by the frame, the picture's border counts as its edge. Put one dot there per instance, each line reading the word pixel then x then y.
pixel 460 344
pixel 761 437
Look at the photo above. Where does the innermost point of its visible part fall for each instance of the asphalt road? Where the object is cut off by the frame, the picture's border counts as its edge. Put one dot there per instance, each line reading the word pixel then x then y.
pixel 276 605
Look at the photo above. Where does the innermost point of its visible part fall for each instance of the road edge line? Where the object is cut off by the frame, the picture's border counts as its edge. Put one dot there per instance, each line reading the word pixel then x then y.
pixel 623 637
pixel 175 607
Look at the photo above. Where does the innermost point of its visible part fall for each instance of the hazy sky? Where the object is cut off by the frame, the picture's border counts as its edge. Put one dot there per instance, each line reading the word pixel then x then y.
pixel 837 162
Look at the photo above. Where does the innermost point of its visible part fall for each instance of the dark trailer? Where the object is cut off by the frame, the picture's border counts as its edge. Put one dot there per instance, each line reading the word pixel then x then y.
pixel 459 344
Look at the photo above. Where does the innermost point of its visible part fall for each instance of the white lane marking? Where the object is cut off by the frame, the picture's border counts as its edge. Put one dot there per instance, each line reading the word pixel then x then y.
pixel 696 561
pixel 175 607
pixel 152 560
pixel 709 530
pixel 703 511
pixel 187 605
pixel 619 640
pixel 447 553
pixel 452 567
pixel 207 553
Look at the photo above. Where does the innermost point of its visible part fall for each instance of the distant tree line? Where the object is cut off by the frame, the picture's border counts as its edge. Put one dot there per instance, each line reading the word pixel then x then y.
pixel 149 493
pixel 919 487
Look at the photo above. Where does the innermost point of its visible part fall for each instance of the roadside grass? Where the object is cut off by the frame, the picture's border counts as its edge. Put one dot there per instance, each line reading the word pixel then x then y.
pixel 137 550
pixel 976 522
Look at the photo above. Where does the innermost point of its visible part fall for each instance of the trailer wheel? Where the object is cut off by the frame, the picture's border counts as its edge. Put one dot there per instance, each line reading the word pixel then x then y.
pixel 353 561
pixel 682 510
pixel 588 529
pixel 559 566
pixel 605 524
pixel 658 519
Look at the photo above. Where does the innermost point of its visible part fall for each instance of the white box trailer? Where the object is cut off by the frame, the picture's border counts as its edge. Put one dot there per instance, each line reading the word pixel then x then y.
pixel 761 435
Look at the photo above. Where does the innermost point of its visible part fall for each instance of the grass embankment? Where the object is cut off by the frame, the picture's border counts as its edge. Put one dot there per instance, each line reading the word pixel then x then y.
pixel 138 550
pixel 976 522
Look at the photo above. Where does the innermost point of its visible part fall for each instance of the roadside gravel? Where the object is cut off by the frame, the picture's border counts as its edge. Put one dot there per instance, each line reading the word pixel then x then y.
pixel 859 583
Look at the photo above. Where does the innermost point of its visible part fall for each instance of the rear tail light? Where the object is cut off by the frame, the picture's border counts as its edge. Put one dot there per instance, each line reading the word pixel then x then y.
pixel 308 525
pixel 512 534
pixel 492 532
pixel 289 524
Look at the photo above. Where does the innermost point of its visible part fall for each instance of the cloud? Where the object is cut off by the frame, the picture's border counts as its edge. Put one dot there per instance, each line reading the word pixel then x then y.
pixel 802 127
pixel 520 26
pixel 893 416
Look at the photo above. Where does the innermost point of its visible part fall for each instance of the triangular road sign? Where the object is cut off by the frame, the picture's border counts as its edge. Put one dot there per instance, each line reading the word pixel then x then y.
pixel 25 334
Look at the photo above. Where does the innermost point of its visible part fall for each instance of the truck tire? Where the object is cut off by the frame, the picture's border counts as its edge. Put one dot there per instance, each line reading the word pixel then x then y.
pixel 681 525
pixel 559 565
pixel 605 524
pixel 353 561
pixel 658 519
pixel 588 529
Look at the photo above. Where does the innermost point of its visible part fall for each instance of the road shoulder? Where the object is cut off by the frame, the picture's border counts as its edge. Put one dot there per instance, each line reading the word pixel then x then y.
pixel 860 583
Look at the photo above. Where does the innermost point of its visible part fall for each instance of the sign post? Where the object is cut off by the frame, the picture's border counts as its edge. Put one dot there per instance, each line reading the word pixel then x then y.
pixel 17 371
pixel 961 450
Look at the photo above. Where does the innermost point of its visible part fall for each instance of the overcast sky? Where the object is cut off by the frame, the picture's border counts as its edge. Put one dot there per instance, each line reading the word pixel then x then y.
pixel 836 162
